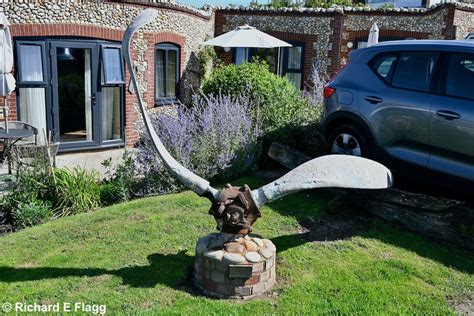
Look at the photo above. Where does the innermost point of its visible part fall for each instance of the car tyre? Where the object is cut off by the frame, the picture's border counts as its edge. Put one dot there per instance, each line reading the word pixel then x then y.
pixel 348 139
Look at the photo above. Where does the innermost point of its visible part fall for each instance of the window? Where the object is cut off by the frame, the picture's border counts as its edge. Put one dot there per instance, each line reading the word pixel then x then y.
pixel 241 55
pixel 32 84
pixel 384 65
pixel 166 73
pixel 112 89
pixel 293 64
pixel 269 55
pixel 112 65
pixel 291 60
pixel 72 91
pixel 460 76
pixel 31 63
pixel 414 70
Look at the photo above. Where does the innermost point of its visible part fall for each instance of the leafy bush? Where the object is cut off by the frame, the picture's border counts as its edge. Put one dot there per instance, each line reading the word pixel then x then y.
pixel 31 213
pixel 32 185
pixel 215 137
pixel 77 191
pixel 120 182
pixel 113 192
pixel 288 116
pixel 279 103
pixel 327 3
pixel 208 59
pixel 41 192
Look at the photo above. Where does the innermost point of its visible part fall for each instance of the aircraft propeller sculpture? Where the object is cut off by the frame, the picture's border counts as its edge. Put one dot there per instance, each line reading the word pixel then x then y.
pixel 233 253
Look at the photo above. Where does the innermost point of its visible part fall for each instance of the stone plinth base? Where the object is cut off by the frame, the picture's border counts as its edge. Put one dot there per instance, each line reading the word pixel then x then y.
pixel 229 266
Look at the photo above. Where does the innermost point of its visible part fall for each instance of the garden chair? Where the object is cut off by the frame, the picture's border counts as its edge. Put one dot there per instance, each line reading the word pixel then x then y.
pixel 17 132
pixel 22 125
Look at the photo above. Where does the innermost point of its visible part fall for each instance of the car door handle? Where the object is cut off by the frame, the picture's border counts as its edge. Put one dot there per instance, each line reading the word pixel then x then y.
pixel 373 99
pixel 449 115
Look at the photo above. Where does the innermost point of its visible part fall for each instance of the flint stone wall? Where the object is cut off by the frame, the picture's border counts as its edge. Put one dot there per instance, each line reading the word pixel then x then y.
pixel 464 22
pixel 328 31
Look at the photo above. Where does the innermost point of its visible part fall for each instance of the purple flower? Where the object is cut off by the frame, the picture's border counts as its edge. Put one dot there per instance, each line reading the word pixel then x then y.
pixel 313 92
pixel 216 135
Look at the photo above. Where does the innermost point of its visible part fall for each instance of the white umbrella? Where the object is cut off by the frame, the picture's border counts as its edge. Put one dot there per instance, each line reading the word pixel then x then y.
pixel 248 36
pixel 373 35
pixel 7 81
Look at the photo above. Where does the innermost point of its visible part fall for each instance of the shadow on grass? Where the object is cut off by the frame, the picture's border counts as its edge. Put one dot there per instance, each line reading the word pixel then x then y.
pixel 323 217
pixel 169 270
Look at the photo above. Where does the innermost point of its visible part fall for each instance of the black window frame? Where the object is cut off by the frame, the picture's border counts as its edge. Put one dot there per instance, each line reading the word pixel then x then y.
pixel 121 85
pixel 286 69
pixel 167 46
pixel 284 51
pixel 48 82
pixel 26 83
pixel 434 84
pixel 103 80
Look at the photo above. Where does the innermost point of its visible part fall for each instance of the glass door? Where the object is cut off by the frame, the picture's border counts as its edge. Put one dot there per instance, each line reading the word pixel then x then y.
pixel 74 67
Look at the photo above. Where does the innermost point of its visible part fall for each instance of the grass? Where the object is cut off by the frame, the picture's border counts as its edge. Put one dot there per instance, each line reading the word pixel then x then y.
pixel 135 257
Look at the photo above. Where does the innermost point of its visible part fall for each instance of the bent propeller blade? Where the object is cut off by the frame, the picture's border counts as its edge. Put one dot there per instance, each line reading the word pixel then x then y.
pixel 337 171
pixel 186 176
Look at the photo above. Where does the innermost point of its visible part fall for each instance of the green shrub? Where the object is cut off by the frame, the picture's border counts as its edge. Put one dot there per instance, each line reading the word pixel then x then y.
pixel 280 105
pixel 207 61
pixel 31 189
pixel 113 192
pixel 77 191
pixel 41 192
pixel 31 213
pixel 327 3
pixel 120 183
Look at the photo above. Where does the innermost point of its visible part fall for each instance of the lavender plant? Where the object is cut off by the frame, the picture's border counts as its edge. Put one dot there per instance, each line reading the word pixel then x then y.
pixel 214 137
pixel 313 92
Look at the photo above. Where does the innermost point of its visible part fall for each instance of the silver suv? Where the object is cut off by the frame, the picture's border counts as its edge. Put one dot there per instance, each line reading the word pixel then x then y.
pixel 412 101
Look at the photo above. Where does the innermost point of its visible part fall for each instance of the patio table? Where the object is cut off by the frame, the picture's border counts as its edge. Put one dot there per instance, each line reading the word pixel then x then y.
pixel 9 139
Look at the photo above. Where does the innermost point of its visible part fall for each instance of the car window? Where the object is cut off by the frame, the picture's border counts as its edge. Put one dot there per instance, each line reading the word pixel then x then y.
pixel 414 70
pixel 460 76
pixel 384 65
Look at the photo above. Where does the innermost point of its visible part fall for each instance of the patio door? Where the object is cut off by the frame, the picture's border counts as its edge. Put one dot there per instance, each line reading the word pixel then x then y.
pixel 74 73
pixel 72 90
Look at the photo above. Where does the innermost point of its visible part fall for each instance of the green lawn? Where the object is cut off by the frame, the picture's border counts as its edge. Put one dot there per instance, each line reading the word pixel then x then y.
pixel 136 257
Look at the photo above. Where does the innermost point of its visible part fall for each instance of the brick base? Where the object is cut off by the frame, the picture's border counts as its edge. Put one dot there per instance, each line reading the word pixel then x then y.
pixel 219 278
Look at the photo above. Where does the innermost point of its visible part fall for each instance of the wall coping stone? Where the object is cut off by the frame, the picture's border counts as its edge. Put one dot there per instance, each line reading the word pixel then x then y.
pixel 336 9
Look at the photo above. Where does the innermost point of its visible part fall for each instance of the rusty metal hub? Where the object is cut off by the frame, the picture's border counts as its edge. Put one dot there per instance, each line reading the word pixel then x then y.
pixel 235 210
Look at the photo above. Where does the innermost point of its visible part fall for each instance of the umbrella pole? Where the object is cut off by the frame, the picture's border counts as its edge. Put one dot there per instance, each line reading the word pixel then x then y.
pixel 5 113
pixel 278 62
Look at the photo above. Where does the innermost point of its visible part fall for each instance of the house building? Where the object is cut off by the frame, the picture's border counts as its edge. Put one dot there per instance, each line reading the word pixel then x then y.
pixel 71 79
pixel 73 85
pixel 324 37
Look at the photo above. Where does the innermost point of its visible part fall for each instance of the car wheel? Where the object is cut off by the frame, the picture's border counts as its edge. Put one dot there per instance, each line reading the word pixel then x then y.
pixel 348 139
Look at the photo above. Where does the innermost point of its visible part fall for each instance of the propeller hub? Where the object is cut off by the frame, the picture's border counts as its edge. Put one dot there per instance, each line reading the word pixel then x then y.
pixel 235 210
